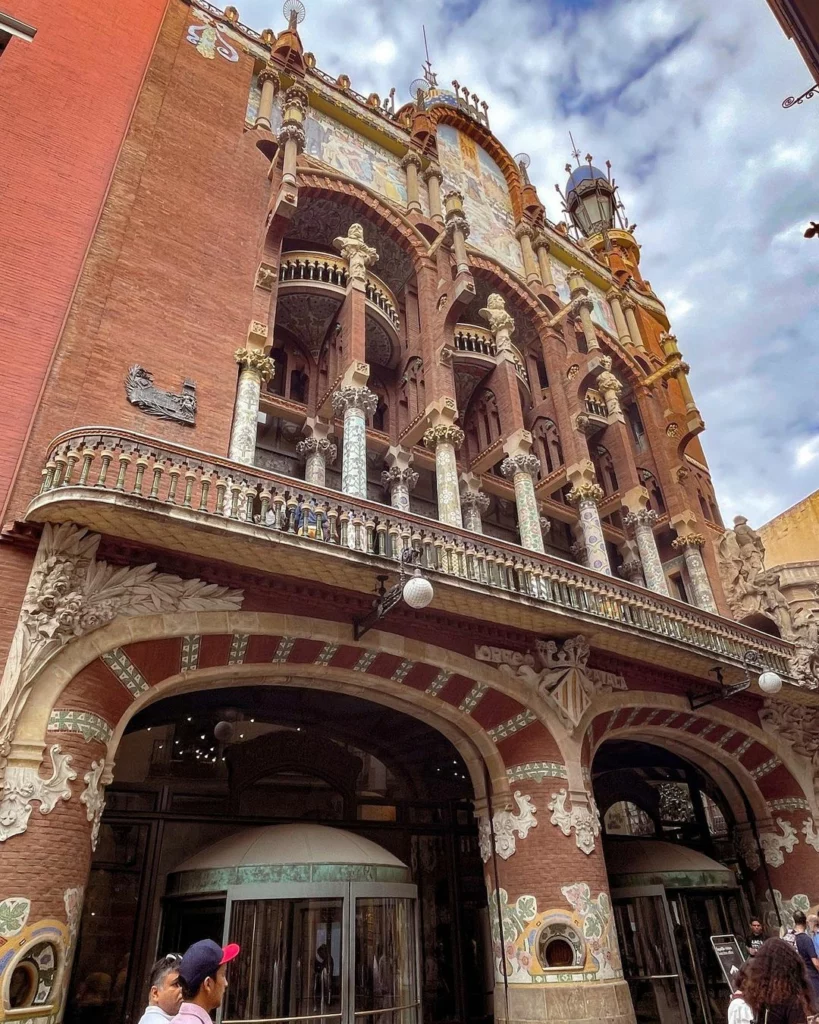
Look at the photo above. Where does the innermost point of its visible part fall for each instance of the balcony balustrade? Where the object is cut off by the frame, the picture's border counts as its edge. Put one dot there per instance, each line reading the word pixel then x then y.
pixel 144 475
pixel 325 269
pixel 473 340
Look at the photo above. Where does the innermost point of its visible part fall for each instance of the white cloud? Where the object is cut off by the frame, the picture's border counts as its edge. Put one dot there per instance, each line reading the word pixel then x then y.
pixel 685 100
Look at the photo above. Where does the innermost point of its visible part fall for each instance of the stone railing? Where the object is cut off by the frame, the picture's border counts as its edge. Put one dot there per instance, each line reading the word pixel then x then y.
pixel 324 268
pixel 150 473
pixel 469 338
pixel 595 406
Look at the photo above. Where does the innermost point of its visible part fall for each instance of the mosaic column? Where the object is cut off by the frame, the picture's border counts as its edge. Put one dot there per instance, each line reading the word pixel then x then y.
pixel 629 306
pixel 474 505
pixel 256 368
pixel 522 469
pixel 318 453
pixel 269 81
pixel 433 178
pixel 445 440
pixel 399 480
pixel 700 585
pixel 643 521
pixel 354 404
pixel 412 164
pixel 587 496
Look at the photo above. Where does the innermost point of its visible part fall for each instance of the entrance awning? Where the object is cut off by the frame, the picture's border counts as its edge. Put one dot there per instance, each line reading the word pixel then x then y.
pixel 635 862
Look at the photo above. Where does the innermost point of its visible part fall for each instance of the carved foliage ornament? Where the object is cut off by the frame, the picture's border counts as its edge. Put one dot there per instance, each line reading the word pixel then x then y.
pixel 25 785
pixel 775 846
pixel 92 796
pixel 255 361
pixel 145 395
pixel 70 593
pixel 505 826
pixel 583 821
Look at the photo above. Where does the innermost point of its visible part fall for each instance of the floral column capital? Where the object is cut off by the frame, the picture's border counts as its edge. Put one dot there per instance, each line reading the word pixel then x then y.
pixel 443 434
pixel 256 361
pixel 317 446
pixel 694 540
pixel 399 475
pixel 520 463
pixel 641 517
pixel 475 501
pixel 354 398
pixel 586 493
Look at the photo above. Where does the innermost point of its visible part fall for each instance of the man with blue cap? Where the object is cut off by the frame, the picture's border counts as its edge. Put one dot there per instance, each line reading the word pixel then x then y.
pixel 203 977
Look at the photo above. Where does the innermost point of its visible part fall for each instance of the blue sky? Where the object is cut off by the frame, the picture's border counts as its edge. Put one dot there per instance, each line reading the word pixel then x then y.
pixel 684 97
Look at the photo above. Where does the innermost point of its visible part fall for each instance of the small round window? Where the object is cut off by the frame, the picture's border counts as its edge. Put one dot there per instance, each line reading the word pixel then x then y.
pixel 560 947
pixel 32 980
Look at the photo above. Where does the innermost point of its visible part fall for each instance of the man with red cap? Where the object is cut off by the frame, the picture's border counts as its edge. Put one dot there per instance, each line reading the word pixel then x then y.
pixel 203 977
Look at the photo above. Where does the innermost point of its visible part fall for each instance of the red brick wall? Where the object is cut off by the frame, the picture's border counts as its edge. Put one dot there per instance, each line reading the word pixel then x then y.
pixel 67 99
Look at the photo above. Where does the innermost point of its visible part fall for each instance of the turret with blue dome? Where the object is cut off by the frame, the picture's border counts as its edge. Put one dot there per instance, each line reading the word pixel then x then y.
pixel 590 198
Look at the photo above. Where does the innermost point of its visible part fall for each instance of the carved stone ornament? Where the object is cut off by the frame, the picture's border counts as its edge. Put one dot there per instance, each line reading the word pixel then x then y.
pixel 475 500
pixel 505 826
pixel 775 846
pixel 564 682
pixel 145 395
pixel 399 475
pixel 641 517
pixel 354 398
pixel 355 250
pixel 443 434
pixel 317 446
pixel 693 540
pixel 501 324
pixel 583 821
pixel 93 796
pixel 797 726
pixel 520 463
pixel 266 276
pixel 254 360
pixel 586 492
pixel 24 785
pixel 71 594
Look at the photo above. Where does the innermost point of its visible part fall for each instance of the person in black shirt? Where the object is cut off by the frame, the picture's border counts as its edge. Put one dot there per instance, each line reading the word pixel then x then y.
pixel 776 988
pixel 806 949
pixel 756 938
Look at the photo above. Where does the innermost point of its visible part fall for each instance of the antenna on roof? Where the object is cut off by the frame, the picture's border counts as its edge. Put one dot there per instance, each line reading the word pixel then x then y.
pixel 429 74
pixel 575 150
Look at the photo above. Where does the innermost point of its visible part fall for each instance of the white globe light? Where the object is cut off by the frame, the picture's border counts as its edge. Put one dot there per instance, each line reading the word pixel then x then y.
pixel 770 682
pixel 223 731
pixel 418 592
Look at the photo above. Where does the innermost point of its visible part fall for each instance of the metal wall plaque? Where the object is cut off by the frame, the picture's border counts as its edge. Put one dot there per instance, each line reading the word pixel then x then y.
pixel 145 395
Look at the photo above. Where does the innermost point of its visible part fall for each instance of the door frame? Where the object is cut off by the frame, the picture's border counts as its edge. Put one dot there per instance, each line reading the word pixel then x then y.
pixel 637 891
pixel 348 892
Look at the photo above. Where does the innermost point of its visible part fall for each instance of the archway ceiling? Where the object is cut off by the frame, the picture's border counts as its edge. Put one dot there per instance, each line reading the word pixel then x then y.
pixel 308 317
pixel 322 220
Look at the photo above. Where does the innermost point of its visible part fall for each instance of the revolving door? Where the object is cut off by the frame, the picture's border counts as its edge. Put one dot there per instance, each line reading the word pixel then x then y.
pixel 334 952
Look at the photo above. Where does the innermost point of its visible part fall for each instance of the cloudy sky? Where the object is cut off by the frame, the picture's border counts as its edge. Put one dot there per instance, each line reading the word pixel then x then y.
pixel 684 97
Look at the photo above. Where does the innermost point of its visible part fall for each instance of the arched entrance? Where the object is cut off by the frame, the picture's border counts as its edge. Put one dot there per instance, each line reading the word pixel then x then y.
pixel 295 818
pixel 675 874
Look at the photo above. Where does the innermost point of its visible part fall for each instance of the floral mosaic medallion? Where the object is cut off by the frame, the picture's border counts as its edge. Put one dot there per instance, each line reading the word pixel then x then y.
pixel 14 911
pixel 522 934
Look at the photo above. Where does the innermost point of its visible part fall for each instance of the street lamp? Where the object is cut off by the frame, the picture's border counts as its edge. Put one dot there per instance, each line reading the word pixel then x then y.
pixel 416 590
pixel 769 682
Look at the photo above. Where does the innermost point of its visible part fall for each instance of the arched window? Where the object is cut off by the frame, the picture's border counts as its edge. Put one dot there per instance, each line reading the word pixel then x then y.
pixel 656 501
pixel 638 431
pixel 413 389
pixel 380 419
pixel 291 379
pixel 546 439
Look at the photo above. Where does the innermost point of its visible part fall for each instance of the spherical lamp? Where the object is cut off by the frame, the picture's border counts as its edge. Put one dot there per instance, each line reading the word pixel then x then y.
pixel 770 682
pixel 418 591
pixel 223 731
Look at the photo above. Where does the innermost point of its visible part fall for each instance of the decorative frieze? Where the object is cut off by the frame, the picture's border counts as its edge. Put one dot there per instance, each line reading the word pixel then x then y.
pixel 536 771
pixel 86 723
pixel 505 827
pixel 145 395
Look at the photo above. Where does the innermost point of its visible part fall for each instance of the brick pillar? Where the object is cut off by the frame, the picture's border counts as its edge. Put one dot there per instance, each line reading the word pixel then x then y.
pixel 256 367
pixel 548 887
pixel 445 440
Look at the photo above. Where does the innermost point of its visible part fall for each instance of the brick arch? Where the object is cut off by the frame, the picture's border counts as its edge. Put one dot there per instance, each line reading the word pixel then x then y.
pixel 511 286
pixel 99 682
pixel 320 182
pixel 763 768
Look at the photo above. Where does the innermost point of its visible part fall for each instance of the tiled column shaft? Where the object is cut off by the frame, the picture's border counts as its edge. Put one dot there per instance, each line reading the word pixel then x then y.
pixel 642 521
pixel 522 468
pixel 587 496
pixel 474 505
pixel 317 453
pixel 400 482
pixel 354 403
pixel 445 440
pixel 256 367
pixel 700 584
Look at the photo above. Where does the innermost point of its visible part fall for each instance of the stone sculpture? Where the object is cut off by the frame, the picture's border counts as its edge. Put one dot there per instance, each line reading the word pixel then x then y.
pixel 356 251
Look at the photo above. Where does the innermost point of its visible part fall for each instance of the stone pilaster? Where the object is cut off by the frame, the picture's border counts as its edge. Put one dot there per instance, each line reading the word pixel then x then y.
pixel 354 404
pixel 291 134
pixel 445 440
pixel 643 520
pixel 433 178
pixel 543 262
pixel 629 308
pixel 399 478
pixel 256 368
pixel 691 544
pixel 583 306
pixel 522 468
pixel 412 164
pixel 269 81
pixel 457 227
pixel 524 234
pixel 587 495
pixel 614 298
pixel 318 453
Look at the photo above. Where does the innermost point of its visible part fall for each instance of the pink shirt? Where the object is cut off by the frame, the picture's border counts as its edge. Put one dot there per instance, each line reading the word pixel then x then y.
pixel 190 1013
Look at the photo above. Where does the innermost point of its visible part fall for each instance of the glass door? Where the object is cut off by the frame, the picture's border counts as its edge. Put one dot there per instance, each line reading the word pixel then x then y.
pixel 324 953
pixel 650 961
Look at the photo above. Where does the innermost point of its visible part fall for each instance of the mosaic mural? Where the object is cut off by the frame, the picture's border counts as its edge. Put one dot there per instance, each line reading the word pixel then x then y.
pixel 601 314
pixel 487 205
pixel 344 150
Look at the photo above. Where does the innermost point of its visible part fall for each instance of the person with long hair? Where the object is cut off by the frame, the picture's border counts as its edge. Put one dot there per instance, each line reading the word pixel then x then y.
pixel 776 987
